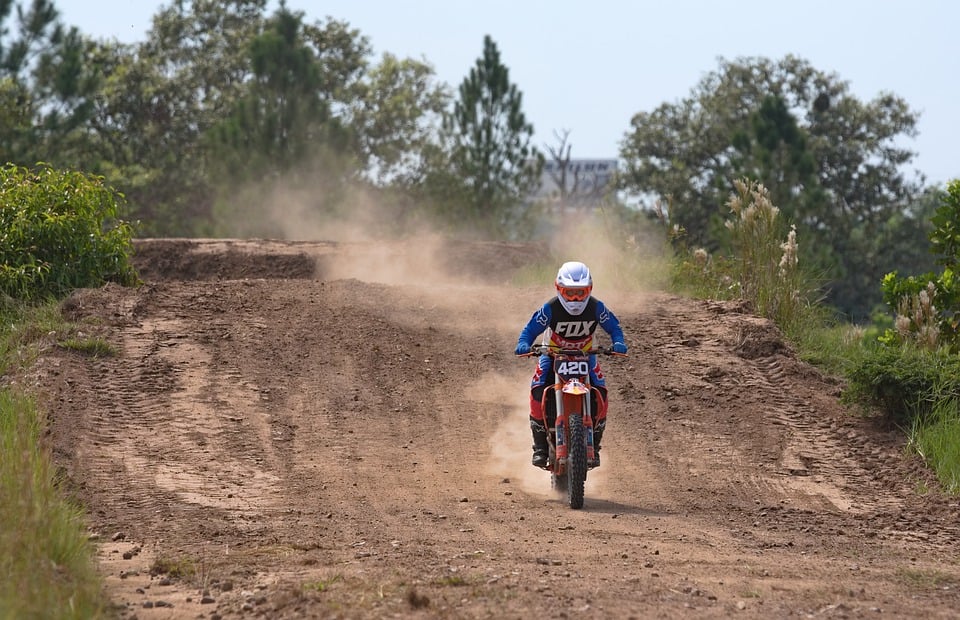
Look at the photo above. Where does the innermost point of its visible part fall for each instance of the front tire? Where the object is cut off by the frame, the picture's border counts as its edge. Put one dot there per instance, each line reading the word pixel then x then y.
pixel 576 461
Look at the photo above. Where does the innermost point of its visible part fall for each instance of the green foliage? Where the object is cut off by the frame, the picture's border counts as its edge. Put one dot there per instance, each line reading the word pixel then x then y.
pixel 773 150
pixel 831 162
pixel 918 390
pixel 157 101
pixel 398 104
pixel 904 382
pixel 60 231
pixel 945 238
pixel 283 116
pixel 760 268
pixel 491 153
pixel 828 343
pixel 47 87
pixel 178 568
pixel 927 306
pixel 25 328
pixel 93 347
pixel 46 561
pixel 754 227
pixel 936 438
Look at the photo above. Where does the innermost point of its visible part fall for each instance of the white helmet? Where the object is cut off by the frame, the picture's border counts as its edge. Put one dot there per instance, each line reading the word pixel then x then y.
pixel 574 286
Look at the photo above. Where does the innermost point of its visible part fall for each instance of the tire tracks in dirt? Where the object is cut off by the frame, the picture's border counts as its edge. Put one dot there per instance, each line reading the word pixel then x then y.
pixel 807 454
pixel 324 446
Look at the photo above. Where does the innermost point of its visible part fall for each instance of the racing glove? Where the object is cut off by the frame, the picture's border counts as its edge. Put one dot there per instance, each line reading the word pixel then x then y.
pixel 522 348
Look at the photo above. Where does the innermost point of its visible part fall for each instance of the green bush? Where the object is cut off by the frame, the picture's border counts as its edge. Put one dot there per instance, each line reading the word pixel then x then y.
pixel 60 230
pixel 904 382
pixel 927 307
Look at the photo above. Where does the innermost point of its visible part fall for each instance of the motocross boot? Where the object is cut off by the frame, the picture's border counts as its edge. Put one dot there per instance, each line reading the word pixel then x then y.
pixel 541 449
pixel 597 436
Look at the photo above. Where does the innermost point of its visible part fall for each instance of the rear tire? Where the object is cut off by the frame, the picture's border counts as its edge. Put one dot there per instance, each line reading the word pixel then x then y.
pixel 576 461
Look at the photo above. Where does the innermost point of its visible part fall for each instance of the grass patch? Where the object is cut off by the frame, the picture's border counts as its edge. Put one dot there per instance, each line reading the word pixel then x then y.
pixel 830 345
pixel 936 438
pixel 47 560
pixel 24 329
pixel 177 568
pixel 925 579
pixel 322 585
pixel 90 346
pixel 455 581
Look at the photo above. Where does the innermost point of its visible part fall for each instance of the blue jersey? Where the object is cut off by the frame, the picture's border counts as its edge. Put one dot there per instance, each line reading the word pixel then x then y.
pixel 569 331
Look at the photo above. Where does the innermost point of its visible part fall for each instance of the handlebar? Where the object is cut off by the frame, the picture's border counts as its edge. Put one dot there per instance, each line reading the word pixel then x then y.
pixel 554 351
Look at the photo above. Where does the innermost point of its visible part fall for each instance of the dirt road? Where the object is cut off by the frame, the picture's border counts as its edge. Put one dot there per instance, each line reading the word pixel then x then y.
pixel 304 430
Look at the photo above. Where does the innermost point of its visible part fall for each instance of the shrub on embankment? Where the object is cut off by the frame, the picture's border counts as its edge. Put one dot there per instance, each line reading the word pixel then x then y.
pixel 59 230
pixel 909 375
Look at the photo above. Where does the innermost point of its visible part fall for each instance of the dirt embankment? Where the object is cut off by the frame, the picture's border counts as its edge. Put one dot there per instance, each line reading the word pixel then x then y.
pixel 301 430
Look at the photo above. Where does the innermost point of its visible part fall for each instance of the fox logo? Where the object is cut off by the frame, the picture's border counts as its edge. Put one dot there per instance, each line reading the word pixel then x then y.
pixel 574 329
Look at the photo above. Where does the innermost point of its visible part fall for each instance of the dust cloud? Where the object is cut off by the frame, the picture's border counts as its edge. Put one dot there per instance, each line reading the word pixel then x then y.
pixel 425 267
pixel 638 263
pixel 509 457
pixel 384 242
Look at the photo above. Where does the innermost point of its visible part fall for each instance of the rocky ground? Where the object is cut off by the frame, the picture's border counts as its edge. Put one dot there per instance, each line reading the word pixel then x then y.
pixel 303 430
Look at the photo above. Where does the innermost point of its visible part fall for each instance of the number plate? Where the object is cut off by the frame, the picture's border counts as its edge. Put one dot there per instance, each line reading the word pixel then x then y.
pixel 572 368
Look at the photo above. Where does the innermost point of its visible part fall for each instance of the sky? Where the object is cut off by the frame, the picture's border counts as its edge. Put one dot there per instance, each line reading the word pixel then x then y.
pixel 587 67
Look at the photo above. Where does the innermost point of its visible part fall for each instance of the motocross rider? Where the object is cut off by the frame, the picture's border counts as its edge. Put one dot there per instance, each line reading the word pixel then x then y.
pixel 571 318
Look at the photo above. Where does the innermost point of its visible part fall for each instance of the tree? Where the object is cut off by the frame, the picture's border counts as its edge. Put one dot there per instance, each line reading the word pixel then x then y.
pixel 284 114
pixel 46 86
pixel 396 114
pixel 833 163
pixel 289 132
pixel 161 96
pixel 491 149
pixel 772 149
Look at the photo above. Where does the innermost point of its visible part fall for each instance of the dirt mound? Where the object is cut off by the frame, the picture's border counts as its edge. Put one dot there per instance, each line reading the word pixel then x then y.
pixel 185 259
pixel 232 259
pixel 301 430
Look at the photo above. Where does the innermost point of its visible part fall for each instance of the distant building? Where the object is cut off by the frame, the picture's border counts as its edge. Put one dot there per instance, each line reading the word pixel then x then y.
pixel 576 183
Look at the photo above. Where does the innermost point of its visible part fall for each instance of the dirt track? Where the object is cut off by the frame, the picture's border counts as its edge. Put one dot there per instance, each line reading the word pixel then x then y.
pixel 312 441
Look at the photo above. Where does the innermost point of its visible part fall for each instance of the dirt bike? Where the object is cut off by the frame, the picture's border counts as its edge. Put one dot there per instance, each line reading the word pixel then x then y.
pixel 571 437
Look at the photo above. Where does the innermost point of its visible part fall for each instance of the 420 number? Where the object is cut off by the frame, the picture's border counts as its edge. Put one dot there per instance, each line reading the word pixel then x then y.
pixel 568 368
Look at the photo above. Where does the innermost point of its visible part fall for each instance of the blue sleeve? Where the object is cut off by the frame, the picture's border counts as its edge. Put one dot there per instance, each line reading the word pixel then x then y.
pixel 536 325
pixel 609 322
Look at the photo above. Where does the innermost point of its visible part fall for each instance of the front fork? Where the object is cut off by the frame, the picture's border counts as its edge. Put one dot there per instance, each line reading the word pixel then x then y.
pixel 567 405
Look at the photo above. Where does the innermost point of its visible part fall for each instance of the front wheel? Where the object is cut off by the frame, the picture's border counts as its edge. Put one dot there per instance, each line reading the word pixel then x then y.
pixel 576 461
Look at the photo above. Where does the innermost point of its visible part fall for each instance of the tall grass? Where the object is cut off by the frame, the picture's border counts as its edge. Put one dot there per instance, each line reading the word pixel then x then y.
pixel 46 567
pixel 936 438
pixel 46 561
pixel 761 267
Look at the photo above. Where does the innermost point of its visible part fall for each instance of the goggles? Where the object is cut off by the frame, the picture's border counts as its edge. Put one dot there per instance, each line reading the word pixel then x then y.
pixel 574 293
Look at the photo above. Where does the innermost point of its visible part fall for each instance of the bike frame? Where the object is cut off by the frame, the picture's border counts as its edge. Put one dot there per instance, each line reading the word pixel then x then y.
pixel 569 462
pixel 571 393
